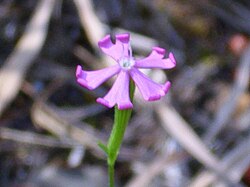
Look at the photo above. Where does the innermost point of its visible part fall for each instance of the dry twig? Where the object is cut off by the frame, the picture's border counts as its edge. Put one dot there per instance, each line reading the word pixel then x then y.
pixel 13 71
pixel 46 118
pixel 180 130
pixel 90 22
pixel 34 139
pixel 235 163
pixel 154 169
pixel 226 110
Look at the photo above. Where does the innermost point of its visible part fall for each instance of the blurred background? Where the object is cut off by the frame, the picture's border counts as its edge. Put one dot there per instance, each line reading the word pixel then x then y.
pixel 198 135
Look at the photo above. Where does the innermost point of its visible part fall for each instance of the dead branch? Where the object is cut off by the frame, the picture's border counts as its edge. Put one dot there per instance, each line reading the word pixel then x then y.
pixel 225 111
pixel 34 138
pixel 13 71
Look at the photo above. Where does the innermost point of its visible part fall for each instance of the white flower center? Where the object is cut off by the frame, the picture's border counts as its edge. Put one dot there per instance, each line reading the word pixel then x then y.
pixel 127 63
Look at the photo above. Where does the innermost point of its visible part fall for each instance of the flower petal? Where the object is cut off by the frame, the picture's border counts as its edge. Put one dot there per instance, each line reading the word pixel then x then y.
pixel 118 49
pixel 92 79
pixel 119 93
pixel 156 60
pixel 149 89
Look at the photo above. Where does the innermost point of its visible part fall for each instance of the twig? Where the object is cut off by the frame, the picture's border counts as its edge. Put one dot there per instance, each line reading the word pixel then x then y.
pixel 188 80
pixel 226 110
pixel 90 22
pixel 74 114
pixel 235 163
pixel 13 71
pixel 238 9
pixel 234 17
pixel 188 139
pixel 154 169
pixel 47 119
pixel 34 139
pixel 84 55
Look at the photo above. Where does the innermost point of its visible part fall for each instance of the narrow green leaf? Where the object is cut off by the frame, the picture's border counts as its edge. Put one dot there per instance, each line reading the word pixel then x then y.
pixel 103 147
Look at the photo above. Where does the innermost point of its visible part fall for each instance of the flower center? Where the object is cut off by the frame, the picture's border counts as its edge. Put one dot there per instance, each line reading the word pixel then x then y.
pixel 127 63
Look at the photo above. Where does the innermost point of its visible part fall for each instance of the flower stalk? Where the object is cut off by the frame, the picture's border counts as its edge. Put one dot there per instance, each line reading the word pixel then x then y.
pixel 121 120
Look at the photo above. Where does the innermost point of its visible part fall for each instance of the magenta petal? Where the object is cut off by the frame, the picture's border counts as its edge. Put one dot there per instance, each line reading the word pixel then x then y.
pixel 92 79
pixel 118 94
pixel 156 60
pixel 172 59
pixel 124 38
pixel 115 50
pixel 150 90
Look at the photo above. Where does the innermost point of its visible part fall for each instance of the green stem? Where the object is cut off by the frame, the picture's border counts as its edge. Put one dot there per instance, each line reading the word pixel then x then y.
pixel 121 120
pixel 111 171
pixel 115 140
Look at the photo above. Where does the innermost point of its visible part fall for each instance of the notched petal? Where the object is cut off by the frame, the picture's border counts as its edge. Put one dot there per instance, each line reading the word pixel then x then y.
pixel 92 79
pixel 160 51
pixel 166 87
pixel 78 71
pixel 106 42
pixel 172 58
pixel 156 60
pixel 124 38
pixel 118 94
pixel 104 102
pixel 115 50
pixel 149 89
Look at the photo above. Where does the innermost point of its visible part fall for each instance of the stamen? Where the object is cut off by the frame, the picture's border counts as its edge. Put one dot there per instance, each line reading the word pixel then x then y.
pixel 126 63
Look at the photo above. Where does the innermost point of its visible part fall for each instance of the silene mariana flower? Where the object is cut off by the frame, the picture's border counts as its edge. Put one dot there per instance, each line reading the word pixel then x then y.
pixel 126 67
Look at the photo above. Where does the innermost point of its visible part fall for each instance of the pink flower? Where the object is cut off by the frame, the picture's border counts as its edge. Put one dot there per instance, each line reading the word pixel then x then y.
pixel 125 68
